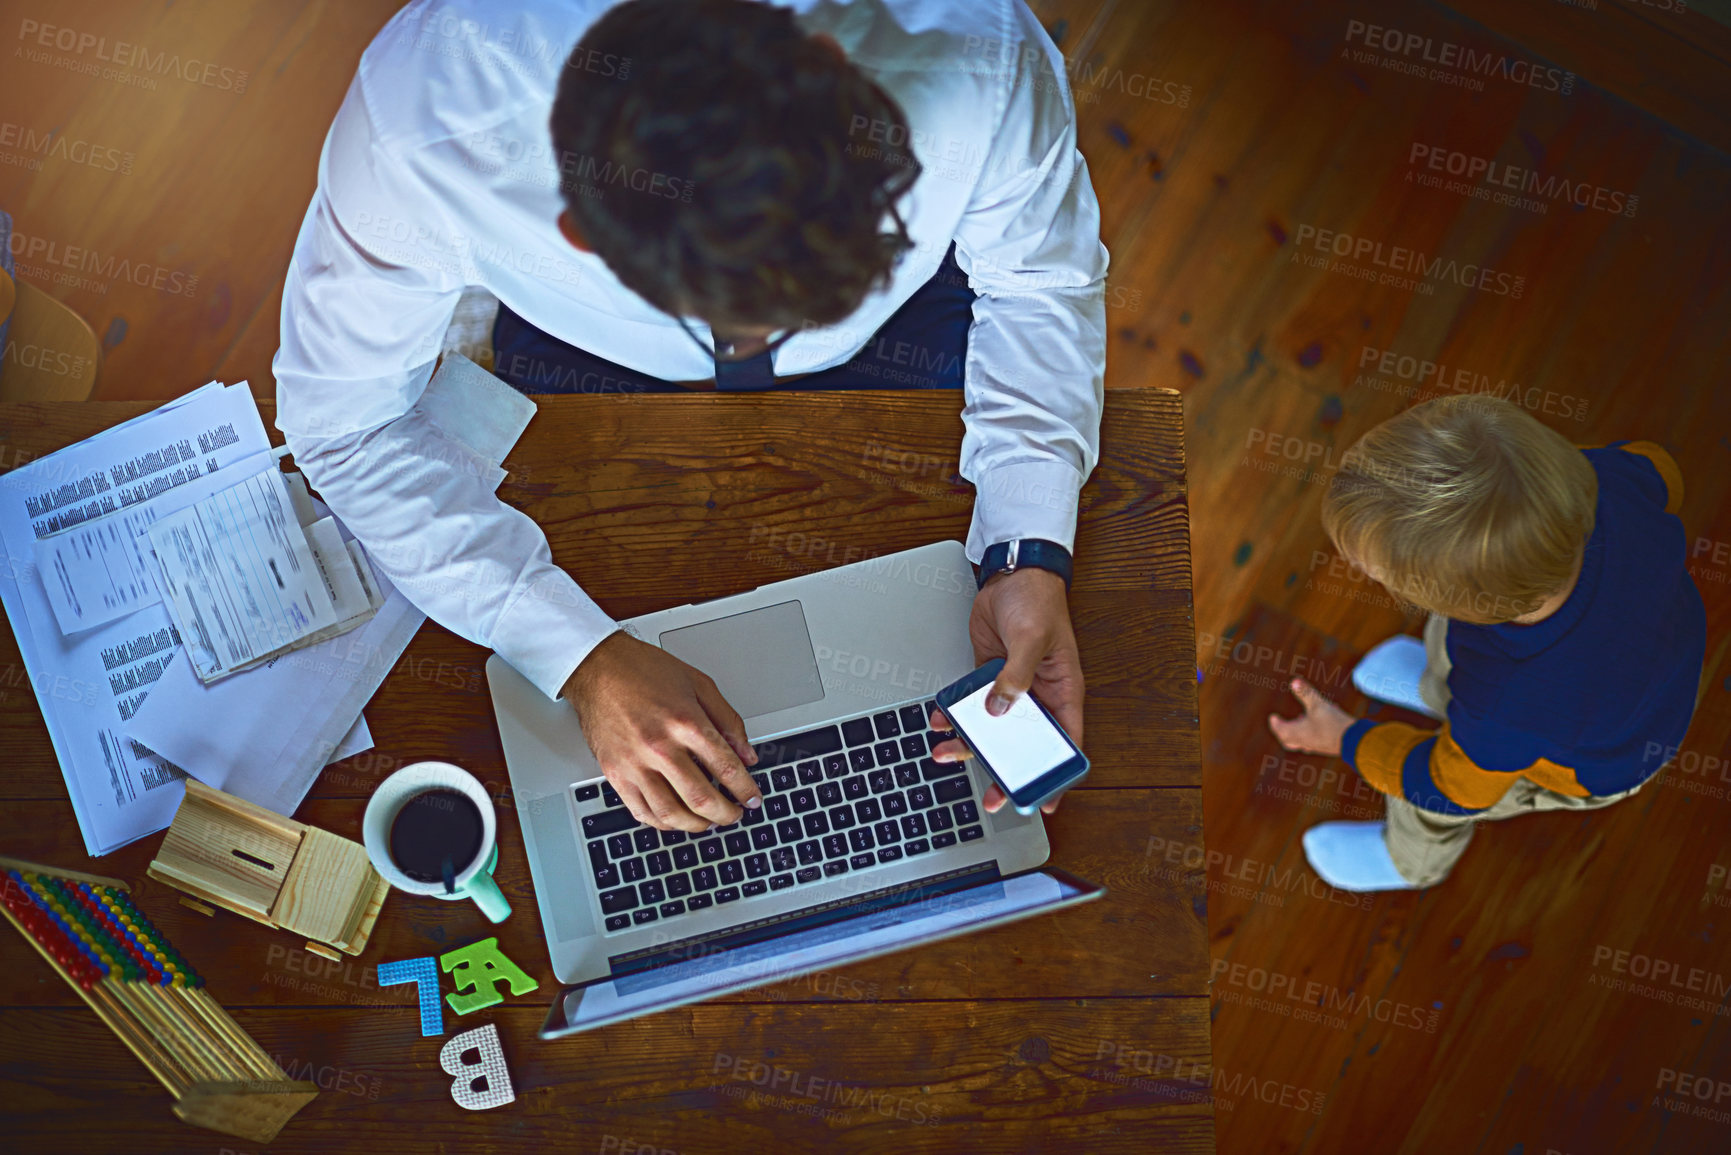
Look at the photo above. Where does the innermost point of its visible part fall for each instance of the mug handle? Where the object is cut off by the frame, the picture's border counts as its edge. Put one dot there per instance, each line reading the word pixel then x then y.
pixel 488 897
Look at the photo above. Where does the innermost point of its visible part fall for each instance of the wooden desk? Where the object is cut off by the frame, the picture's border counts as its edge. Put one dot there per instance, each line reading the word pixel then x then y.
pixel 1086 1030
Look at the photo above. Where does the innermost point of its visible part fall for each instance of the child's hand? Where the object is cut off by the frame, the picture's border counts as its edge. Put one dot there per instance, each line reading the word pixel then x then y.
pixel 1321 727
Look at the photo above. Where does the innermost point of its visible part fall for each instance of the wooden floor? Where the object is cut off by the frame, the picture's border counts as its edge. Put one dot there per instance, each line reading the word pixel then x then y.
pixel 1514 1008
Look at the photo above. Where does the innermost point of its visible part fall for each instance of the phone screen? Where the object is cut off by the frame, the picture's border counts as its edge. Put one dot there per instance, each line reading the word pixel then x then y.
pixel 1021 744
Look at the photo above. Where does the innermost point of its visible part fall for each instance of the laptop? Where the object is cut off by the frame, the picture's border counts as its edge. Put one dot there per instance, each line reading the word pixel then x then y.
pixel 864 844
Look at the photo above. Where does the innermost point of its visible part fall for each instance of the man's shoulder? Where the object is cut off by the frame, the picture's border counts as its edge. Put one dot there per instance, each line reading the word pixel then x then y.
pixel 442 68
pixel 995 41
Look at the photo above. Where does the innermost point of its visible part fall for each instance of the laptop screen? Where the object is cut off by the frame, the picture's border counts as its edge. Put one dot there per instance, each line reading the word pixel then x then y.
pixel 604 1001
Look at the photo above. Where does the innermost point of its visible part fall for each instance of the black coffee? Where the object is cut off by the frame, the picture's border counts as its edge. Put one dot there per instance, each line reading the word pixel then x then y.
pixel 436 835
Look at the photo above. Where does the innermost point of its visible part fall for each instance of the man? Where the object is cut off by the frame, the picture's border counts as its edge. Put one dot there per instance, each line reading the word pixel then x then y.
pixel 736 193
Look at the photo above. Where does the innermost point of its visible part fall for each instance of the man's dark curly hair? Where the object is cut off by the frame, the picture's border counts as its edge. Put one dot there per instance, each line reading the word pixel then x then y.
pixel 727 166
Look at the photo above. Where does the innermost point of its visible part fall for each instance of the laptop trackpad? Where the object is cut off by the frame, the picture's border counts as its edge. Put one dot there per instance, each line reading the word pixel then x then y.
pixel 762 659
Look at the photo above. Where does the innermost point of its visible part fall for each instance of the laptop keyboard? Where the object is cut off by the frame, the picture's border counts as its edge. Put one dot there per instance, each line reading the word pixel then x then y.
pixel 839 799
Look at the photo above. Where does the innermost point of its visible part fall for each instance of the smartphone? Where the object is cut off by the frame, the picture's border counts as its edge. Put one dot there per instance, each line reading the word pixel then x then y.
pixel 1024 749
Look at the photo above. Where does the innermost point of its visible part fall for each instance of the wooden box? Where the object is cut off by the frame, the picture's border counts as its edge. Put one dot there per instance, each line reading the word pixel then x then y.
pixel 274 870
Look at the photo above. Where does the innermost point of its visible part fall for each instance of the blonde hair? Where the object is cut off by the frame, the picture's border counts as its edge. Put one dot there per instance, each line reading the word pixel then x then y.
pixel 1464 506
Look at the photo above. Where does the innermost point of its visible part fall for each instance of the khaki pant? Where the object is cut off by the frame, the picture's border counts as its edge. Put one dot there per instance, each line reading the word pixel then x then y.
pixel 1424 845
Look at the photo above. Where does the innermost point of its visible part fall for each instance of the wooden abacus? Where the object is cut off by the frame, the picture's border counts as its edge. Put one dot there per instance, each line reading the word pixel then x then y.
pixel 138 984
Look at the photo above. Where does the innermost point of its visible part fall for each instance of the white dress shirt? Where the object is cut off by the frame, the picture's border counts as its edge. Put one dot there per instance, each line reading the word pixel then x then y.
pixel 439 172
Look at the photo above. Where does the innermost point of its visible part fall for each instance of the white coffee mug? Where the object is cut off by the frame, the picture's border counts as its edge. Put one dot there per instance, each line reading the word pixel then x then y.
pixel 474 881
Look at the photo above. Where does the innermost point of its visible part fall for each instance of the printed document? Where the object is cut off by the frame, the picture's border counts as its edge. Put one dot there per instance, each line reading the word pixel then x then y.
pixel 239 576
pixel 91 683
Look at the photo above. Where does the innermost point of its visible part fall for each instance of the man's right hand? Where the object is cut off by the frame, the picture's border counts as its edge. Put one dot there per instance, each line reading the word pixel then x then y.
pixel 651 720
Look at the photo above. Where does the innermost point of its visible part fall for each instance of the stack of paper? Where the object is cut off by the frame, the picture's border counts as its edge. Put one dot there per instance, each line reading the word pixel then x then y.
pixel 99 641
pixel 249 576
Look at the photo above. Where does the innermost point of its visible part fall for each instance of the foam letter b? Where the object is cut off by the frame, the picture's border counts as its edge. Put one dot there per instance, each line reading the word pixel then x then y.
pixel 483 1084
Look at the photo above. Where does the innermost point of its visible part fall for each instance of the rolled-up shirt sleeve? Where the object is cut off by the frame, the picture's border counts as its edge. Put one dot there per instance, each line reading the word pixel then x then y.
pixel 375 274
pixel 1029 242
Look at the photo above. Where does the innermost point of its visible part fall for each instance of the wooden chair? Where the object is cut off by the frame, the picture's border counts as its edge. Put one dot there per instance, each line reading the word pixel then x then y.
pixel 51 353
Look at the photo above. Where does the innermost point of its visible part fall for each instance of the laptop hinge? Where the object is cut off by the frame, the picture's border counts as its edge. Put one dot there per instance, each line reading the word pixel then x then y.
pixel 823 914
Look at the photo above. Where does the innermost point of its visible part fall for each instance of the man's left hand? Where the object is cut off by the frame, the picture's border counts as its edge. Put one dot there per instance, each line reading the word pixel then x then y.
pixel 1024 618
